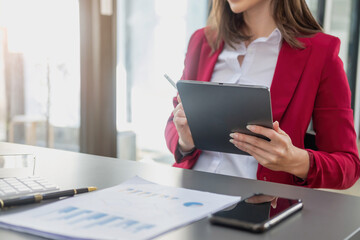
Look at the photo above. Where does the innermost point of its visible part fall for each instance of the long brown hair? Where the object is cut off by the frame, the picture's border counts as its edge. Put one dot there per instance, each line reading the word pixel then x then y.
pixel 292 17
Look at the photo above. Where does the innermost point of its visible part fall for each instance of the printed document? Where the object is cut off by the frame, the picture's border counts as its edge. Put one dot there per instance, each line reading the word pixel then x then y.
pixel 135 209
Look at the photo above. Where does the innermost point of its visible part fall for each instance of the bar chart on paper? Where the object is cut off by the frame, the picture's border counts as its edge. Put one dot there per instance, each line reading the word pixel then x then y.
pixel 78 218
pixel 136 209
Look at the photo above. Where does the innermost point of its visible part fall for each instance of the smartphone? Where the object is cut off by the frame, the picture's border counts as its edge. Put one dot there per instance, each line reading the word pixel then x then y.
pixel 257 213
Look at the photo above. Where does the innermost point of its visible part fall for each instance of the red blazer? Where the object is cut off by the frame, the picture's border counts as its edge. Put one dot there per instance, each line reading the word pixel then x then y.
pixel 308 83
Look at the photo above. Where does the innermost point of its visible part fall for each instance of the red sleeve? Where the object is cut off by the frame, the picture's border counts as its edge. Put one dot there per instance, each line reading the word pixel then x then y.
pixel 190 73
pixel 336 163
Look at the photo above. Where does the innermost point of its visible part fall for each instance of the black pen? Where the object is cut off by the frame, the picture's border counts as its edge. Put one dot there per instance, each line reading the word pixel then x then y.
pixel 46 196
pixel 170 81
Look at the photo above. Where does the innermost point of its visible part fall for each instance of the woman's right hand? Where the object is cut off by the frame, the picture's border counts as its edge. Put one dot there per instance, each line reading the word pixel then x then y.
pixel 186 142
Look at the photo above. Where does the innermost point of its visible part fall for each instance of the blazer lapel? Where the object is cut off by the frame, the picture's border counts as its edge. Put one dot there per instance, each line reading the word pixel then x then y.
pixel 289 68
pixel 207 62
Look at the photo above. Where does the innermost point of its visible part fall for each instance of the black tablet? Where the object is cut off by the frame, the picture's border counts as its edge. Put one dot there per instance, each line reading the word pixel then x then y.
pixel 214 110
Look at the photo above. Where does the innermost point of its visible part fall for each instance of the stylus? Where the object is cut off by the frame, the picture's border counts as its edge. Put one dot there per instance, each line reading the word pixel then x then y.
pixel 170 81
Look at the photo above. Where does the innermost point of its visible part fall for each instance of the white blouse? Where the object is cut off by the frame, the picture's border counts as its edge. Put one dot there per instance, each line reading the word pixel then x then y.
pixel 257 68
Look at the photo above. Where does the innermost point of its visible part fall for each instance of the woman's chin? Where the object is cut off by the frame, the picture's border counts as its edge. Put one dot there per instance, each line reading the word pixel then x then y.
pixel 239 6
pixel 237 9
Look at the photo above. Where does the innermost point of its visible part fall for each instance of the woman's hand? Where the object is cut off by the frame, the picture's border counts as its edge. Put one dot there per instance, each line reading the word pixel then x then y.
pixel 278 155
pixel 186 142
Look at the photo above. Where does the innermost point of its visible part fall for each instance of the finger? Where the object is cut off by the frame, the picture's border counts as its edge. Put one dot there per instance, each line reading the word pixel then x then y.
pixel 180 113
pixel 180 122
pixel 178 98
pixel 264 158
pixel 255 141
pixel 274 202
pixel 253 150
pixel 177 108
pixel 267 132
pixel 274 149
pixel 277 128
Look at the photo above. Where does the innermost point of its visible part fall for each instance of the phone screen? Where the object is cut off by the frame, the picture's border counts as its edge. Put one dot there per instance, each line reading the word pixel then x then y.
pixel 257 213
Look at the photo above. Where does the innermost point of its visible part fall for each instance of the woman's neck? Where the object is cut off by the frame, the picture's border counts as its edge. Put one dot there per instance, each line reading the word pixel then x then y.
pixel 259 20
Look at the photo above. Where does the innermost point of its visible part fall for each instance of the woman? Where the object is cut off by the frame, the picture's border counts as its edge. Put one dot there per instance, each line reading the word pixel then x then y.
pixel 280 45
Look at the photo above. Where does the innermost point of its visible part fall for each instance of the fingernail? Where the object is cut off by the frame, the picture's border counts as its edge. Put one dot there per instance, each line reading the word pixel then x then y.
pixel 250 127
pixel 231 140
pixel 232 135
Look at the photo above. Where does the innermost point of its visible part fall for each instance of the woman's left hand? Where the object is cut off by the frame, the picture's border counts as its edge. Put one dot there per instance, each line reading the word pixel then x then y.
pixel 278 154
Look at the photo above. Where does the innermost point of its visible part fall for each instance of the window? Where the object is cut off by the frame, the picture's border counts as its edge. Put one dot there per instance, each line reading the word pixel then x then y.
pixel 153 38
pixel 339 24
pixel 2 88
pixel 313 5
pixel 40 48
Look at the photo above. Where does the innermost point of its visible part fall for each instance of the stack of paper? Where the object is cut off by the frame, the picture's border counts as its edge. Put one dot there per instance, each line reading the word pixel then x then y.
pixel 135 209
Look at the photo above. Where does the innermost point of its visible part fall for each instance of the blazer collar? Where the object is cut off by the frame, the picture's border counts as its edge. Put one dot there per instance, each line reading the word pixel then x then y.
pixel 207 64
pixel 289 68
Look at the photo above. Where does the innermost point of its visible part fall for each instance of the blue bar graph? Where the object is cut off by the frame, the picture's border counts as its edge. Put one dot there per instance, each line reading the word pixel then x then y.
pixel 75 214
pixel 68 209
pixel 127 223
pixel 89 216
pixel 104 222
pixel 88 219
pixel 148 194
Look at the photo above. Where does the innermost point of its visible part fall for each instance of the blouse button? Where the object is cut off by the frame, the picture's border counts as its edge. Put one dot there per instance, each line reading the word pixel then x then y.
pixel 265 178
